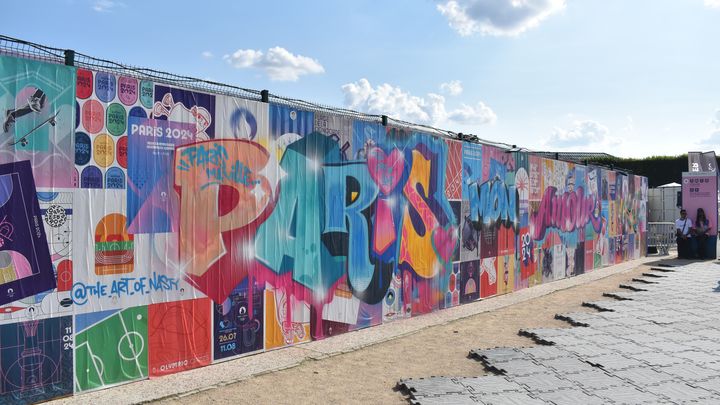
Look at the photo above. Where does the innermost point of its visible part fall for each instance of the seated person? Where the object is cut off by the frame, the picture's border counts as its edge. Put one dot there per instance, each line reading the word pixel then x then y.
pixel 701 231
pixel 683 233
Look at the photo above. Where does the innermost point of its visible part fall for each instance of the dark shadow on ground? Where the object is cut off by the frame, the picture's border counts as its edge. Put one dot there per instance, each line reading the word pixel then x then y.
pixel 673 260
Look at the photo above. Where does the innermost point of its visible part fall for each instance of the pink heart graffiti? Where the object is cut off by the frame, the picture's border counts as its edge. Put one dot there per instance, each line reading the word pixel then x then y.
pixel 386 170
pixel 444 241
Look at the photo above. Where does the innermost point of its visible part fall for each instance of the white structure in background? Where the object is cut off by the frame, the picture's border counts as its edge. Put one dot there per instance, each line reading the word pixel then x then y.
pixel 663 203
pixel 662 210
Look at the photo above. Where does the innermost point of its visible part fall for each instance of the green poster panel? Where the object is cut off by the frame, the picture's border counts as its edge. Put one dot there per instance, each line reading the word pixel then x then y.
pixel 111 348
pixel 37 118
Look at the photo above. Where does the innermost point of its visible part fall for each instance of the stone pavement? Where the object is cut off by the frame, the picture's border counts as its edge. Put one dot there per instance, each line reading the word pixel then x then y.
pixel 655 341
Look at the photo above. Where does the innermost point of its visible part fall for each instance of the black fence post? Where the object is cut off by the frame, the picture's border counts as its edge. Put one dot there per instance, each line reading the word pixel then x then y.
pixel 384 119
pixel 264 96
pixel 69 57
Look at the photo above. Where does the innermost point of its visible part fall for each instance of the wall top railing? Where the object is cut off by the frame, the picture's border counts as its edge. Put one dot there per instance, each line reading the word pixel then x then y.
pixel 30 50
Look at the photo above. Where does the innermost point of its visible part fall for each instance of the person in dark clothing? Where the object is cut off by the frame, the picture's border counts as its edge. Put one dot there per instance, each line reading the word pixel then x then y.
pixel 701 230
pixel 683 233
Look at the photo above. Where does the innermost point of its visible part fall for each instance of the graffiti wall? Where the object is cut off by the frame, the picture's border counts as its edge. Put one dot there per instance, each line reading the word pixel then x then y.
pixel 148 229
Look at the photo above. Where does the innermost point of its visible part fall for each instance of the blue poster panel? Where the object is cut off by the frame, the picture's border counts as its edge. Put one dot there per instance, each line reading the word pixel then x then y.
pixel 37 360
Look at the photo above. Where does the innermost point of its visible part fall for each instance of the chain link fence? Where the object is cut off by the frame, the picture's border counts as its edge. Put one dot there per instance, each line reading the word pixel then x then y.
pixel 25 49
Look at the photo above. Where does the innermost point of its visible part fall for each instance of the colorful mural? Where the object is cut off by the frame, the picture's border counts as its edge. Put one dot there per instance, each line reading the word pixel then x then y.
pixel 178 228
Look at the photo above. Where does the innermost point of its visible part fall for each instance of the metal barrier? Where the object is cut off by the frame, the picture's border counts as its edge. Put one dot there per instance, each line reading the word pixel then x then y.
pixel 661 235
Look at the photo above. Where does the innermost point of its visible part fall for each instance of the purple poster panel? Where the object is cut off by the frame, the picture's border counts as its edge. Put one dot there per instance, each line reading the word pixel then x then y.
pixel 180 105
pixel 25 265
pixel 699 190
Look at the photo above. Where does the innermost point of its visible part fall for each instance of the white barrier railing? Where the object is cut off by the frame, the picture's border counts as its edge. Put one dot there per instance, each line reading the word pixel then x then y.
pixel 661 235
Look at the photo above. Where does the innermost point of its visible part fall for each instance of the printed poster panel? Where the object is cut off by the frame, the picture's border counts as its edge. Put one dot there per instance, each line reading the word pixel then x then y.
pixel 452 296
pixel 37 112
pixel 238 322
pixel 179 117
pixel 488 277
pixel 366 136
pixel 286 126
pixel 472 158
pixel 105 275
pixel 469 281
pixel 345 312
pixel 157 255
pixel 36 358
pixel 179 336
pixel 238 118
pixel 25 265
pixel 108 275
pixel 106 104
pixel 111 347
pixel 339 128
pixel 56 210
pixel 506 273
pixel 453 170
pixel 699 190
pixel 287 320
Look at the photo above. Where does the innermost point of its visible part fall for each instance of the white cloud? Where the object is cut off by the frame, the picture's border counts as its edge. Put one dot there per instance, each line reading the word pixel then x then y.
pixel 395 102
pixel 629 128
pixel 497 17
pixel 712 3
pixel 244 58
pixel 278 63
pixel 106 6
pixel 583 135
pixel 713 140
pixel 453 88
pixel 207 54
pixel 480 114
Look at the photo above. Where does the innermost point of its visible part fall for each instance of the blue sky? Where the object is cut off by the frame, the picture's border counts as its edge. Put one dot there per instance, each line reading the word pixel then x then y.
pixel 630 78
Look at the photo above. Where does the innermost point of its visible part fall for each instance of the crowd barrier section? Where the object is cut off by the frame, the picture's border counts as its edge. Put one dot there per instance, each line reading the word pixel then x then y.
pixel 147 229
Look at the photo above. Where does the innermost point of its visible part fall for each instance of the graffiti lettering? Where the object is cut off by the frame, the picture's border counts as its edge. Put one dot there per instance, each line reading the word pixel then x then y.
pixel 338 214
pixel 124 286
pixel 526 253
pixel 290 239
pixel 432 228
pixel 238 173
pixel 200 171
pixel 567 212
pixel 494 202
pixel 202 155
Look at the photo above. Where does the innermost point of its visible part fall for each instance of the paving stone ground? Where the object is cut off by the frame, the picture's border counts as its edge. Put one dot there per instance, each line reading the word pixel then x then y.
pixel 655 340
